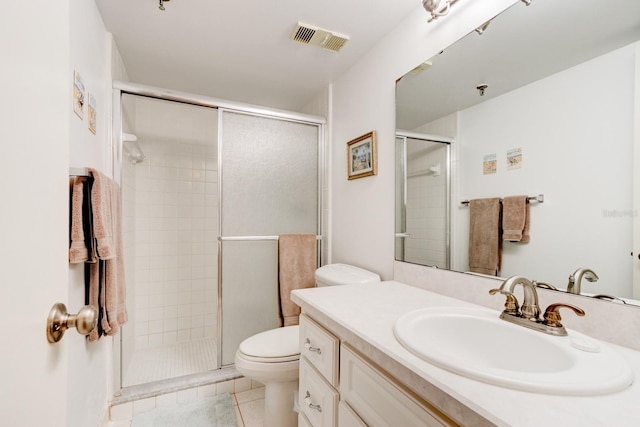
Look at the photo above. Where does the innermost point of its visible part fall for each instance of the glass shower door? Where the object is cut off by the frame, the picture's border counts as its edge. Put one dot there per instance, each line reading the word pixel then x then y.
pixel 268 186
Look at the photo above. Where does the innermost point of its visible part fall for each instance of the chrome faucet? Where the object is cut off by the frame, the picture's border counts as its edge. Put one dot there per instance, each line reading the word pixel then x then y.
pixel 529 314
pixel 530 308
pixel 575 279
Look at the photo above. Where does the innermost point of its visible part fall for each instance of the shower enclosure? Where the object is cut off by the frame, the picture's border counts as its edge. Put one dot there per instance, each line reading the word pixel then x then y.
pixel 207 186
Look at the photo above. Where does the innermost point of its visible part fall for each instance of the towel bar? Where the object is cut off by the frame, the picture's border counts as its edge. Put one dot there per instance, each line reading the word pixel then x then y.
pixel 539 198
pixel 249 238
pixel 78 172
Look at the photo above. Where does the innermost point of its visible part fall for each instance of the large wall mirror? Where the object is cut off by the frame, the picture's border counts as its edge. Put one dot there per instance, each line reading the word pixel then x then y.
pixel 555 86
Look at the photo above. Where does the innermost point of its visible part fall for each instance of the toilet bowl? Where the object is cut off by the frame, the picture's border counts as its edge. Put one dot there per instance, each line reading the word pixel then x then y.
pixel 272 357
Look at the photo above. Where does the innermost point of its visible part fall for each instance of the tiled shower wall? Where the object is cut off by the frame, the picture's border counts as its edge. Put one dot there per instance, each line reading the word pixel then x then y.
pixel 176 218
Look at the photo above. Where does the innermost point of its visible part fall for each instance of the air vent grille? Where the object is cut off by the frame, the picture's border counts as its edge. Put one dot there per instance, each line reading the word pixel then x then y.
pixel 303 34
pixel 335 43
pixel 308 34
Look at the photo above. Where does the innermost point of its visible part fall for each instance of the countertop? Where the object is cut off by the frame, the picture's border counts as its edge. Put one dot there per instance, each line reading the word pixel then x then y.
pixel 363 316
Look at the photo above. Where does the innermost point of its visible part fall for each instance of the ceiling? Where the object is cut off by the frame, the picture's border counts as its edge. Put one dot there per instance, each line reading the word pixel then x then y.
pixel 240 50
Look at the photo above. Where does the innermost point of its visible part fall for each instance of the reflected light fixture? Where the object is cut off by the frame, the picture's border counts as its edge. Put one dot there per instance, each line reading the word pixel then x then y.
pixel 480 30
pixel 437 8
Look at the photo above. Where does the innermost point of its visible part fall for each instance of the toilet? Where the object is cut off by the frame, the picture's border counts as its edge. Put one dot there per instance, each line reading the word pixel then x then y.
pixel 272 357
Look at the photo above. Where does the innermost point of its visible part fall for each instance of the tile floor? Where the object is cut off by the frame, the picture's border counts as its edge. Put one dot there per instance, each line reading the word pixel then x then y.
pixel 249 406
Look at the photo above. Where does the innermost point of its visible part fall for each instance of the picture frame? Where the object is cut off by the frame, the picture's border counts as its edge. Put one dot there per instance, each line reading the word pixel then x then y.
pixel 362 157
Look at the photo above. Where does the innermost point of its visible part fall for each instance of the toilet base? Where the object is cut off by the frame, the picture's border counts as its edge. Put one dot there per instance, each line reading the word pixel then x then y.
pixel 278 404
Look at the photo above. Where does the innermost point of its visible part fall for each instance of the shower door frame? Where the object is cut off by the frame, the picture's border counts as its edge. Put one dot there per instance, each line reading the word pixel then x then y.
pixel 115 157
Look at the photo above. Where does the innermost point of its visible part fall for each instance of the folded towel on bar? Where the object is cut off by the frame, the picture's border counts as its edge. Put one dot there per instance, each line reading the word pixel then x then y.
pixel 78 251
pixel 103 214
pixel 297 263
pixel 515 219
pixel 485 244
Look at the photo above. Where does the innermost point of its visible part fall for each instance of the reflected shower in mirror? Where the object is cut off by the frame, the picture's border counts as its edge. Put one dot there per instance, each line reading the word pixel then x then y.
pixel 422 192
pixel 553 82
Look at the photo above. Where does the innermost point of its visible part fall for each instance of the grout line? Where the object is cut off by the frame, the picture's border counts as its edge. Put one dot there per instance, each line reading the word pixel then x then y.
pixel 241 419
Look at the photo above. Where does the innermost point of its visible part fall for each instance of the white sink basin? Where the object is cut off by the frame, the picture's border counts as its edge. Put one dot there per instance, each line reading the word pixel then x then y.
pixel 476 343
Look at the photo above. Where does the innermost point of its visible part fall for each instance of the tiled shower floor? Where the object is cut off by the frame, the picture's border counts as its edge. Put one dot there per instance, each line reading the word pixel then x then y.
pixel 171 361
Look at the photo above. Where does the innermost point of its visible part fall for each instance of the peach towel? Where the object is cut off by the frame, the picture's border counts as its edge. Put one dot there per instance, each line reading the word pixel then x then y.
pixel 297 264
pixel 485 250
pixel 515 219
pixel 106 284
pixel 78 251
pixel 102 199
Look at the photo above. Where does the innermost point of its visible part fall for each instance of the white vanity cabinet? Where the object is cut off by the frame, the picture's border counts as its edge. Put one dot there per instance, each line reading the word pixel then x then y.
pixel 338 387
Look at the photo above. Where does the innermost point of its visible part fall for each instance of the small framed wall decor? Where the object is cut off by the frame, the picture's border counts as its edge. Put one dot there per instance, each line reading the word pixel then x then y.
pixel 361 156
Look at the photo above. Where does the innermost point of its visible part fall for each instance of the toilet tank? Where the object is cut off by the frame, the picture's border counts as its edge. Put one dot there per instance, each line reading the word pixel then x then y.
pixel 343 274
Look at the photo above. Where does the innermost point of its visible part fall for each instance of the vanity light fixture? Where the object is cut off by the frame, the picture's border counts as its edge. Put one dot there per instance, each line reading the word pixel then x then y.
pixel 481 88
pixel 437 8
pixel 161 4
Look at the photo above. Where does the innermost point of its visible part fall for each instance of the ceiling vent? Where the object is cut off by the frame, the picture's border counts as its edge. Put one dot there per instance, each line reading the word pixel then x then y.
pixel 308 34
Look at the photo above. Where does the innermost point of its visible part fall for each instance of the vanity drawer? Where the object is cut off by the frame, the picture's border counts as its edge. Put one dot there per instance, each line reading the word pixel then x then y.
pixel 378 400
pixel 317 399
pixel 320 348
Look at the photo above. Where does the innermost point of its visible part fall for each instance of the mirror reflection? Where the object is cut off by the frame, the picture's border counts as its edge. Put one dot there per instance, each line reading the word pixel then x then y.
pixel 540 101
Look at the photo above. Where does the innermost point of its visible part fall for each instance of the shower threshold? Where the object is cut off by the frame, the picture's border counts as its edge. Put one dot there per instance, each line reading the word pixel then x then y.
pixel 156 388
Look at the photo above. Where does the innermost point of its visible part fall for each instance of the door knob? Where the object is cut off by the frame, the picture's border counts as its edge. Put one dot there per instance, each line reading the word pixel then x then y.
pixel 60 320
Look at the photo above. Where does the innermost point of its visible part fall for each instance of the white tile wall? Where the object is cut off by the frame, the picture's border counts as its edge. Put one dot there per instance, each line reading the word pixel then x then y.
pixel 175 257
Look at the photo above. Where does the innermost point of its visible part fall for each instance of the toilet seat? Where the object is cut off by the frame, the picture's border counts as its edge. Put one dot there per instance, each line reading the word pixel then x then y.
pixel 272 346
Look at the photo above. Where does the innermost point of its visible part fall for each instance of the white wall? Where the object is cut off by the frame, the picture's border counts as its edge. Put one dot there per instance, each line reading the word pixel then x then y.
pixel 583 166
pixel 363 100
pixel 89 55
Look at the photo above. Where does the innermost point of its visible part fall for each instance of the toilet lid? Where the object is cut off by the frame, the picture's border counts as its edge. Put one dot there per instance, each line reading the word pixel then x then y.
pixel 274 343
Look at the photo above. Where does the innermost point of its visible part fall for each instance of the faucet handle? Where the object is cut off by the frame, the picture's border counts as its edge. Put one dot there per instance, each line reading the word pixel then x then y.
pixel 511 305
pixel 552 314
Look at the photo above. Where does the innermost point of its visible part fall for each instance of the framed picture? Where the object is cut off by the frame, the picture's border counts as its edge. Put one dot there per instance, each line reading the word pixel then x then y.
pixel 361 156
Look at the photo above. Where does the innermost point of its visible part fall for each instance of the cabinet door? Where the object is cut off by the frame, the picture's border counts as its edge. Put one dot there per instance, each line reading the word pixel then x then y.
pixel 347 417
pixel 378 400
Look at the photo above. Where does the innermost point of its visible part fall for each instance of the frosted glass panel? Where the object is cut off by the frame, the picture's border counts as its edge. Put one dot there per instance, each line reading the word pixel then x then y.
pixel 269 187
pixel 269 176
pixel 249 292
